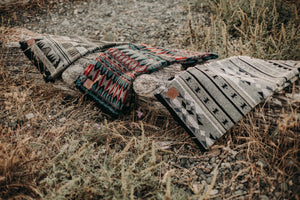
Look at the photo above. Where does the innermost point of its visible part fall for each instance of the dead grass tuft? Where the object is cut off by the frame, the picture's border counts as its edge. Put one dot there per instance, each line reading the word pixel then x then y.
pixel 263 29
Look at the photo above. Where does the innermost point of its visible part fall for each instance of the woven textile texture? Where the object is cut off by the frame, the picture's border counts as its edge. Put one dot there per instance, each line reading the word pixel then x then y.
pixel 209 99
pixel 53 54
pixel 108 80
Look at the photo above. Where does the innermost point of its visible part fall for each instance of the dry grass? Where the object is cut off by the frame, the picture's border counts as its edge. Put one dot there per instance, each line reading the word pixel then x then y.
pixel 68 149
pixel 266 29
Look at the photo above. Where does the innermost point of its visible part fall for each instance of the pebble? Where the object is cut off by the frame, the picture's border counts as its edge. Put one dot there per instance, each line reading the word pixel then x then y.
pixel 65 23
pixel 214 192
pixel 208 180
pixel 263 197
pixel 238 192
pixel 226 165
pixel 109 36
pixel 262 163
pixel 207 170
pixel 29 116
pixel 277 194
pixel 160 23
pixel 63 119
pixel 240 186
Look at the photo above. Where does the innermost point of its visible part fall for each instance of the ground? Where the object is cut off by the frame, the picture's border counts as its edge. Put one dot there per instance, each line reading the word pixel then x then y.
pixel 54 145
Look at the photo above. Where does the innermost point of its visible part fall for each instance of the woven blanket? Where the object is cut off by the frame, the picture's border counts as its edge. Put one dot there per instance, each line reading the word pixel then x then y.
pixel 53 54
pixel 209 99
pixel 108 80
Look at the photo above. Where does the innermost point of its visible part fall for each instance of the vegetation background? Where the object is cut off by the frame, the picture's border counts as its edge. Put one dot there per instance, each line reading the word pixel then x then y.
pixel 69 150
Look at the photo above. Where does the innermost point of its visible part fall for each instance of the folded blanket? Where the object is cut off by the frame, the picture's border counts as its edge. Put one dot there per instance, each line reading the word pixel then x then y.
pixel 108 80
pixel 53 54
pixel 209 99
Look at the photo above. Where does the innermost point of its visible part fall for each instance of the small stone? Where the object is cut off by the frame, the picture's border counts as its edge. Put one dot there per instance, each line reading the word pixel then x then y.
pixel 65 23
pixel 240 186
pixel 184 162
pixel 78 11
pixel 203 176
pixel 277 194
pixel 61 10
pixel 108 13
pixel 225 165
pixel 29 116
pixel 212 160
pixel 237 167
pixel 214 192
pixel 61 120
pixel 109 36
pixel 238 192
pixel 12 45
pixel 208 180
pixel 207 170
pixel 204 183
pixel 263 197
pixel 262 163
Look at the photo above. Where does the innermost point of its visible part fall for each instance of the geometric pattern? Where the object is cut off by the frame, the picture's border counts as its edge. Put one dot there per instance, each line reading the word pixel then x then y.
pixel 108 79
pixel 211 98
pixel 53 54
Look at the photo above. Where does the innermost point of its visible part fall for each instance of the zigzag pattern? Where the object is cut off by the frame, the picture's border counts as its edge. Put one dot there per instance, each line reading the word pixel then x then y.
pixel 113 72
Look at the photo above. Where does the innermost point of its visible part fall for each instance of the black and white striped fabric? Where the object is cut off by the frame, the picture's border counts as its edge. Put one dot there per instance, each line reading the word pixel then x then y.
pixel 53 54
pixel 209 99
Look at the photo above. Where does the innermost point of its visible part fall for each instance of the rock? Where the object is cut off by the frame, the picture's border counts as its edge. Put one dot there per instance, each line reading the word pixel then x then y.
pixel 163 144
pixel 263 197
pixel 109 36
pixel 238 192
pixel 65 23
pixel 207 170
pixel 214 192
pixel 78 11
pixel 226 165
pixel 208 180
pixel 262 163
pixel 62 120
pixel 237 167
pixel 240 186
pixel 12 45
pixel 277 194
pixel 29 116
pixel 212 160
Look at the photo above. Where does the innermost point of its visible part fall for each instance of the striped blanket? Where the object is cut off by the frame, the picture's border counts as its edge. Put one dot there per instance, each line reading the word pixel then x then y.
pixel 53 54
pixel 108 79
pixel 209 99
